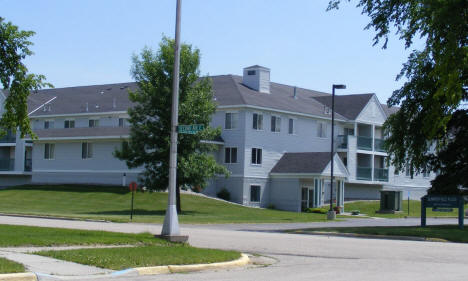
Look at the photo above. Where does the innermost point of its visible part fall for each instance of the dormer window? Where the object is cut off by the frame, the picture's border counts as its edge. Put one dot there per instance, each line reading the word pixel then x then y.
pixel 251 72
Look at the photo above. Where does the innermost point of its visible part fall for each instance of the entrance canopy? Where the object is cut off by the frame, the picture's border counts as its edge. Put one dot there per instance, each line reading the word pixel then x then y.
pixel 309 164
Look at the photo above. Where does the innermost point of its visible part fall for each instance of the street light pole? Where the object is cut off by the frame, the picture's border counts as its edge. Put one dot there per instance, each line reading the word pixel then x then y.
pixel 170 228
pixel 331 214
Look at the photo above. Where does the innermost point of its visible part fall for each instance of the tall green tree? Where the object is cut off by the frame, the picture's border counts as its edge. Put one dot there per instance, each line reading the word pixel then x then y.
pixel 436 79
pixel 15 78
pixel 150 118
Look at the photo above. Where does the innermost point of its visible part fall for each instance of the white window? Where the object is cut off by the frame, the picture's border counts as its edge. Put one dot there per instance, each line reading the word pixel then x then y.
pixel 48 124
pixel 230 155
pixel 321 130
pixel 122 122
pixel 257 121
pixel 407 169
pixel 348 132
pixel 275 124
pixel 69 124
pixel 86 150
pixel 256 156
pixel 292 126
pixel 255 193
pixel 49 151
pixel 250 72
pixel 93 123
pixel 230 121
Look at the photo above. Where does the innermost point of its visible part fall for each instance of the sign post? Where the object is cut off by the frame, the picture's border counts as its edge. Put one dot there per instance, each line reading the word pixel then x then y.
pixel 133 187
pixel 443 203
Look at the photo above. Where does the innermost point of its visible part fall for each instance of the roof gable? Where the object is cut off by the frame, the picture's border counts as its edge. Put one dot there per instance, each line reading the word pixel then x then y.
pixel 350 106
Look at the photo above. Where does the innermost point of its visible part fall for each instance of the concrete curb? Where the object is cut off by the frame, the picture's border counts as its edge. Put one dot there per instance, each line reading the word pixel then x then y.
pixel 18 277
pixel 370 236
pixel 166 269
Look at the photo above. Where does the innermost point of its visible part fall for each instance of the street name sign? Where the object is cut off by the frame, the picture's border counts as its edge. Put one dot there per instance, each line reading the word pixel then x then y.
pixel 190 129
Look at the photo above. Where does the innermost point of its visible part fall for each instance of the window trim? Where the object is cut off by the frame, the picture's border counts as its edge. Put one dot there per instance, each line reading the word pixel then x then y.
pixel 49 154
pixel 69 120
pixel 88 145
pixel 323 130
pixel 123 122
pixel 259 193
pixel 230 154
pixel 276 117
pixel 294 129
pixel 237 121
pixel 258 114
pixel 96 122
pixel 49 122
pixel 256 156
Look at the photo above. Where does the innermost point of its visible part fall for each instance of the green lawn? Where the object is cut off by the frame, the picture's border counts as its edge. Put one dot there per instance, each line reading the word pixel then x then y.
pixel 113 203
pixel 371 207
pixel 446 232
pixel 17 235
pixel 122 258
pixel 7 266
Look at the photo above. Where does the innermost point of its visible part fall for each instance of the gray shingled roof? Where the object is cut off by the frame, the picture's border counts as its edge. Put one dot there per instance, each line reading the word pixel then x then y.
pixel 100 98
pixel 80 132
pixel 229 90
pixel 302 162
pixel 390 110
pixel 349 105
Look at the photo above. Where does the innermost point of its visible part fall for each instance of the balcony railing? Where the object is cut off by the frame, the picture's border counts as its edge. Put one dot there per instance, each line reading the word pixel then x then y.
pixel 7 164
pixel 380 174
pixel 27 165
pixel 364 173
pixel 8 138
pixel 342 141
pixel 364 143
pixel 379 145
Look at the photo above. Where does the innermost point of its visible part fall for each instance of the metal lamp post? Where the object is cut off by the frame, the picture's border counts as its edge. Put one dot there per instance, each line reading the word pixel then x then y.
pixel 331 214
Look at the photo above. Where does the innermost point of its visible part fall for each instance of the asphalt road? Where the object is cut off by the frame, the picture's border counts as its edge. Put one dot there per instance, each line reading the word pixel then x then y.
pixel 303 257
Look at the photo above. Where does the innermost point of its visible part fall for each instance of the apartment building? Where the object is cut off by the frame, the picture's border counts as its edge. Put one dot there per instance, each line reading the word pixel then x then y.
pixel 275 142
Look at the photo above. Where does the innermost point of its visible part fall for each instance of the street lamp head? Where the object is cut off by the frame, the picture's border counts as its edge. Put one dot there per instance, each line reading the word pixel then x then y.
pixel 339 86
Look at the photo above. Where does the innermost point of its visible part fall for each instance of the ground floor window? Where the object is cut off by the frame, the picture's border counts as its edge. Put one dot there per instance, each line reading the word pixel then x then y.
pixel 49 151
pixel 254 193
pixel 86 150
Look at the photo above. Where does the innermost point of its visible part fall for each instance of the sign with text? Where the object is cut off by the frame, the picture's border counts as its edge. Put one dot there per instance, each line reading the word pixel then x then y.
pixel 442 201
pixel 190 129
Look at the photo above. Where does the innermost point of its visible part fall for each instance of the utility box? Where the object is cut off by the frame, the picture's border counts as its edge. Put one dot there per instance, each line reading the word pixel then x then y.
pixel 391 201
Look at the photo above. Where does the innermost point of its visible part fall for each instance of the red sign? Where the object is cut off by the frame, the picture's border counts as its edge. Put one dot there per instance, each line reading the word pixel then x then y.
pixel 133 186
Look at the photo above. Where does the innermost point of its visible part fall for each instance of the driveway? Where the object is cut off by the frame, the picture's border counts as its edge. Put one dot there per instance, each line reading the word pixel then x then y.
pixel 303 257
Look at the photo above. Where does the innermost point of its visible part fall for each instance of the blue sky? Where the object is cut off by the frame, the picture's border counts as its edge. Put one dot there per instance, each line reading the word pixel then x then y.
pixel 91 42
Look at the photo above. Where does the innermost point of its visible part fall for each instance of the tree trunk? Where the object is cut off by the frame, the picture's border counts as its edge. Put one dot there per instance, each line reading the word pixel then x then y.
pixel 179 209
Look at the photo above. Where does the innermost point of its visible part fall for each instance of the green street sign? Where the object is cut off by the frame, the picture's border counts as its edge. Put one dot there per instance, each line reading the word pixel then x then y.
pixel 190 129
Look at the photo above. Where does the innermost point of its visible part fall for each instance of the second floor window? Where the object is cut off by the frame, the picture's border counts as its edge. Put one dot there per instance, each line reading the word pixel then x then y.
pixel 257 121
pixel 122 122
pixel 256 156
pixel 275 124
pixel 321 130
pixel 93 123
pixel 48 124
pixel 49 151
pixel 230 121
pixel 86 150
pixel 69 124
pixel 230 155
pixel 292 126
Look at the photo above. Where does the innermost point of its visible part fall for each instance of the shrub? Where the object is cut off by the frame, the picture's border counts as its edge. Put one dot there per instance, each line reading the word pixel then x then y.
pixel 355 212
pixel 316 210
pixel 224 194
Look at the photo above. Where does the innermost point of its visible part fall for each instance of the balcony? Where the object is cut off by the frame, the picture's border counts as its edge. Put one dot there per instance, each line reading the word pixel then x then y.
pixel 8 138
pixel 364 173
pixel 342 141
pixel 380 174
pixel 27 165
pixel 364 143
pixel 379 145
pixel 7 164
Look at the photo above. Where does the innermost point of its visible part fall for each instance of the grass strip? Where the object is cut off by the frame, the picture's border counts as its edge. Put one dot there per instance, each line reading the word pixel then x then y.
pixel 122 258
pixel 446 232
pixel 371 208
pixel 16 235
pixel 113 204
pixel 8 266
